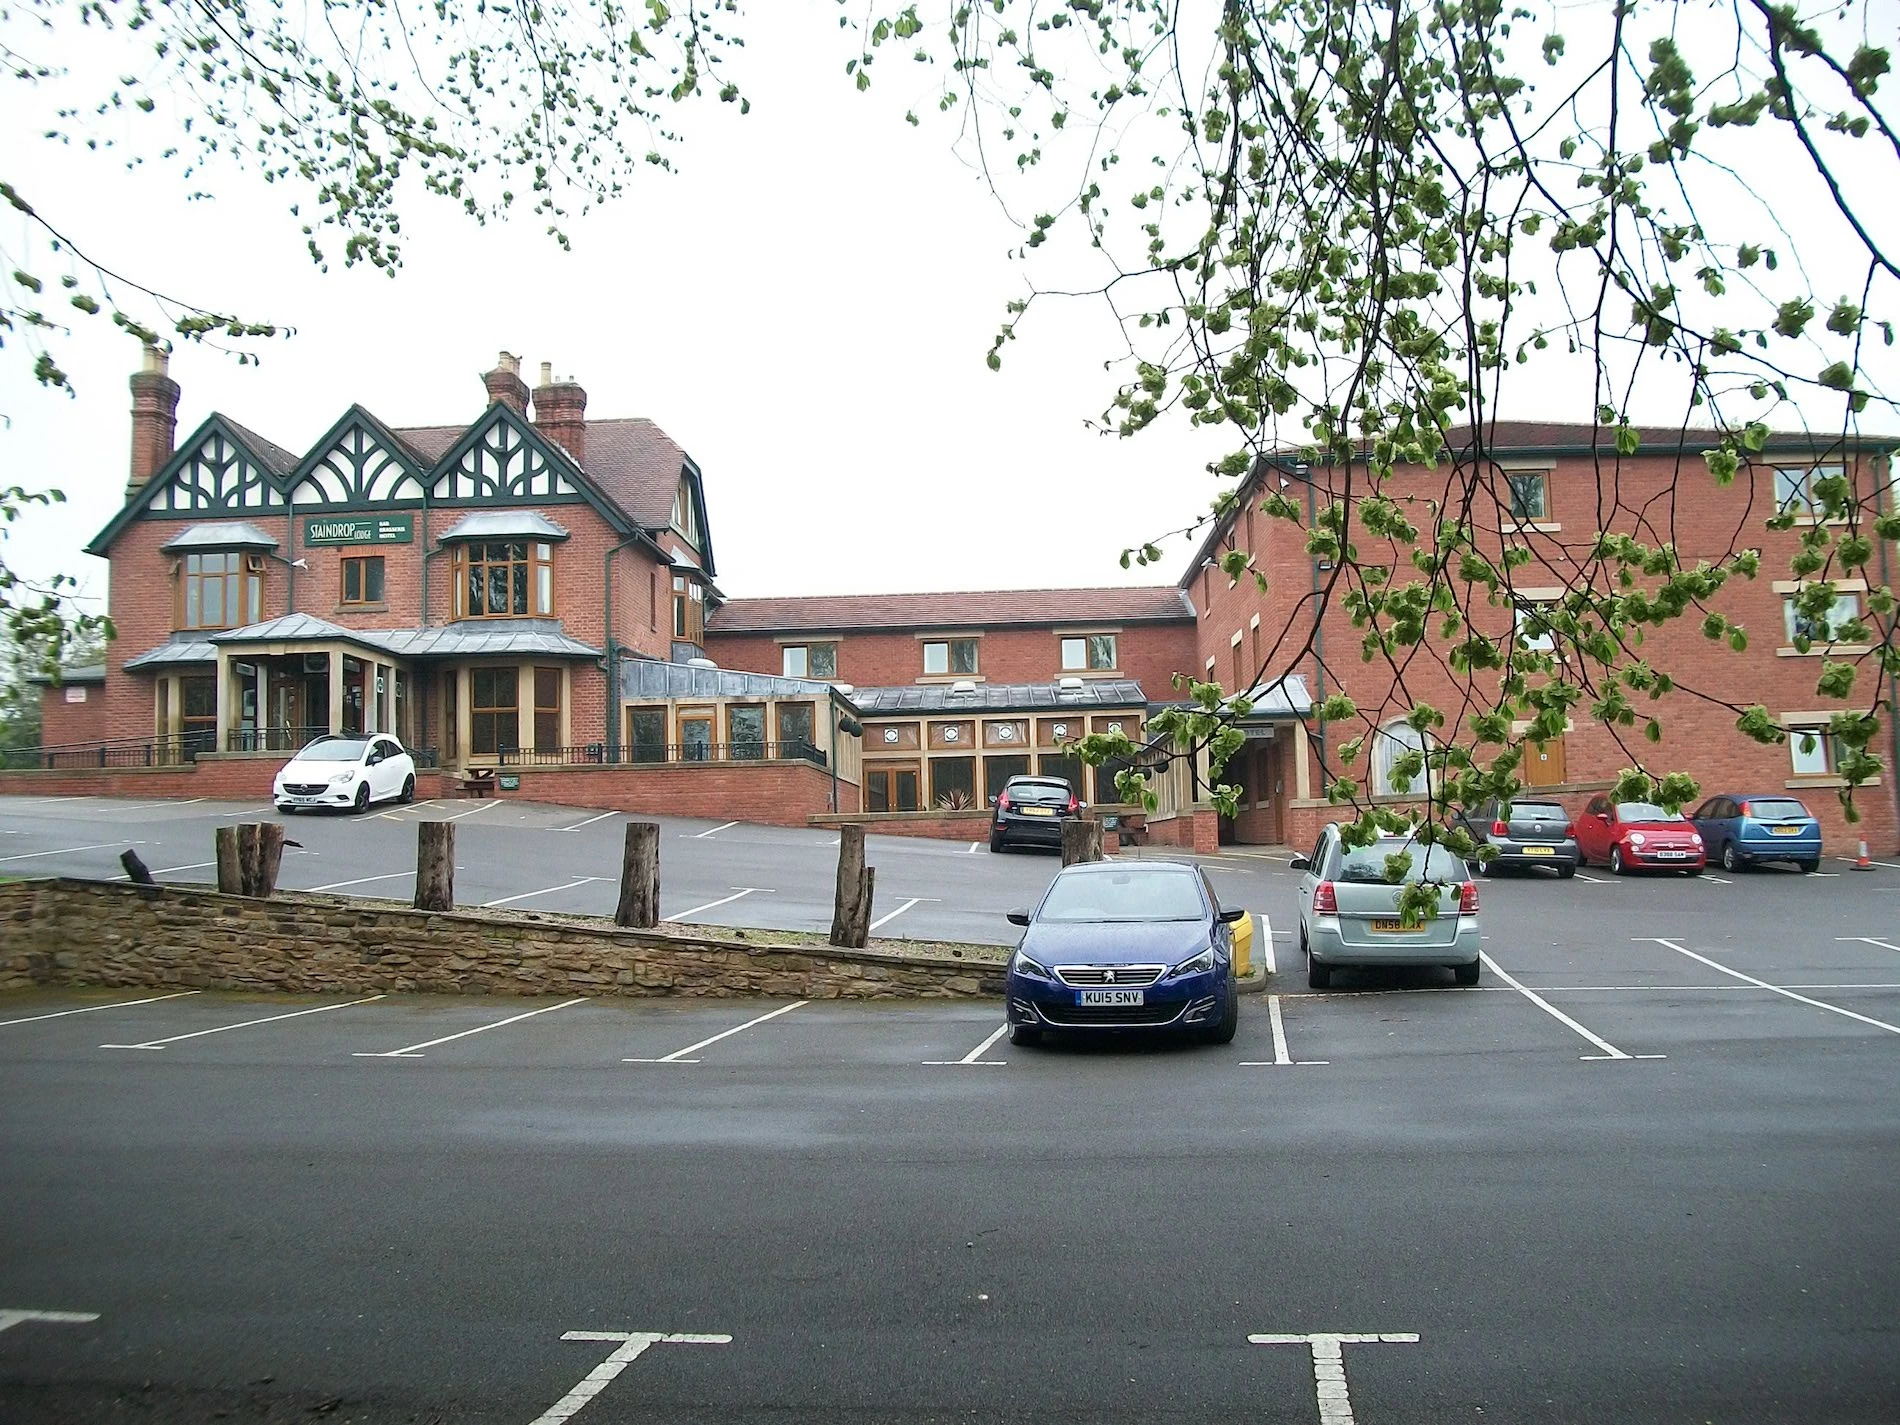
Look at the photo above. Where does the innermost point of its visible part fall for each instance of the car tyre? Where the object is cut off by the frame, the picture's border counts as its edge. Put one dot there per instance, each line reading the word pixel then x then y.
pixel 1693 871
pixel 1318 975
pixel 1028 1035
pixel 361 804
pixel 1467 974
pixel 996 844
pixel 1567 870
pixel 1729 860
pixel 408 789
pixel 1222 1031
pixel 1616 862
pixel 1809 866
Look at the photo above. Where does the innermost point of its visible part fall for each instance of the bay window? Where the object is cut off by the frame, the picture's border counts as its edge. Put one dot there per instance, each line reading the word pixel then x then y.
pixel 504 578
pixel 222 590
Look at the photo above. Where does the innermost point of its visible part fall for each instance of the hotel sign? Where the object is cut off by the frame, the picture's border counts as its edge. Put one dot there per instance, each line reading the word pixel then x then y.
pixel 373 529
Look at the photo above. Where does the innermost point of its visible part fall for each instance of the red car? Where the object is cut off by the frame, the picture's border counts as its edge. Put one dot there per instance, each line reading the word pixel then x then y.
pixel 1636 836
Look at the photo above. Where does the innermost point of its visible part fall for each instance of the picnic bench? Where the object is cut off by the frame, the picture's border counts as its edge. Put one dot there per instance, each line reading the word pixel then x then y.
pixel 478 783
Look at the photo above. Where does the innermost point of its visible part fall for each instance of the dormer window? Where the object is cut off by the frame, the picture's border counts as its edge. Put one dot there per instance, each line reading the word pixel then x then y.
pixel 685 516
pixel 689 610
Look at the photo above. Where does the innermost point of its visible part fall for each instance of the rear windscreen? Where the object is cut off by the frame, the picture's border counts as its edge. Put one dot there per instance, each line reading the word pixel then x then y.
pixel 1775 809
pixel 1041 792
pixel 1429 863
pixel 1538 811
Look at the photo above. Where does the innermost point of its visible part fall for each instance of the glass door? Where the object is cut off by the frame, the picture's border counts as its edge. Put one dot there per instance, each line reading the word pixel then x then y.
pixel 696 734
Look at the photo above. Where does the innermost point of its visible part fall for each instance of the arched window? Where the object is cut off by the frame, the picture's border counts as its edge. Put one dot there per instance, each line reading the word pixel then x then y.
pixel 1390 743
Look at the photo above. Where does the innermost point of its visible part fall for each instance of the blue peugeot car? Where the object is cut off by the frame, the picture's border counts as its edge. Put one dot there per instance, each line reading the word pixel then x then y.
pixel 1115 946
pixel 1741 831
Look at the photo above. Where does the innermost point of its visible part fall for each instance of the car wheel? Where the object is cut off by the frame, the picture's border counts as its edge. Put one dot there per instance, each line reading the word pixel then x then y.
pixel 1025 1034
pixel 996 844
pixel 408 789
pixel 1467 974
pixel 362 798
pixel 1729 861
pixel 1318 975
pixel 1567 870
pixel 1693 871
pixel 1616 861
pixel 1809 866
pixel 1223 1029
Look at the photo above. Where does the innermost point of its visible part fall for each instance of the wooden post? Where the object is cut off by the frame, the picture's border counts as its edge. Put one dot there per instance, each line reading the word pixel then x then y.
pixel 1081 840
pixel 247 858
pixel 846 911
pixel 136 870
pixel 640 877
pixel 270 855
pixel 861 932
pixel 230 868
pixel 435 865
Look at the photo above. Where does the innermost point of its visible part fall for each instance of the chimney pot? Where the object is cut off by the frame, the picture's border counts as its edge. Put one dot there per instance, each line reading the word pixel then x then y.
pixel 504 383
pixel 547 373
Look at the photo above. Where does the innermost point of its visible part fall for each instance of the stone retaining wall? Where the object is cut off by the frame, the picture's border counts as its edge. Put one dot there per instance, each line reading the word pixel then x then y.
pixel 66 932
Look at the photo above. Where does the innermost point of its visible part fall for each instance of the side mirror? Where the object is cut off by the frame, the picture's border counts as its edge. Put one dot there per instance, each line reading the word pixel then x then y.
pixel 1604 817
pixel 1301 863
pixel 1231 913
pixel 1017 917
pixel 992 801
pixel 1083 805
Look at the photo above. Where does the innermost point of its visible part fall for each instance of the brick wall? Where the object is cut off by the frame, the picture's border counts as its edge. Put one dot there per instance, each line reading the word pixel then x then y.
pixel 63 723
pixel 66 932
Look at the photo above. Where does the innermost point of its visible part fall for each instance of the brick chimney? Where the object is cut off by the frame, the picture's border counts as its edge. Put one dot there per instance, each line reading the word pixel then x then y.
pixel 154 419
pixel 560 413
pixel 504 383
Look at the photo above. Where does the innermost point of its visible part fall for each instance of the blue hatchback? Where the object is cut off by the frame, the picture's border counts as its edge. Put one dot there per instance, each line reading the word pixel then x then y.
pixel 1739 831
pixel 1118 946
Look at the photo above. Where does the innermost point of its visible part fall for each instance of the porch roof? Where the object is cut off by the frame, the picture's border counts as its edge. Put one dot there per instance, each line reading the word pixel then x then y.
pixel 648 678
pixel 1286 697
pixel 484 638
pixel 1095 693
pixel 180 648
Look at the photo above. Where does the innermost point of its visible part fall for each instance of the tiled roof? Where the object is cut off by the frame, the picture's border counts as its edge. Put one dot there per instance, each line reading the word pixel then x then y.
pixel 1095 693
pixel 1147 604
pixel 1285 697
pixel 280 461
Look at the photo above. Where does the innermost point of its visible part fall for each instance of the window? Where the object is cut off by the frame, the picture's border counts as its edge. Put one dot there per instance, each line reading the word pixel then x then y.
pixel 1530 494
pixel 1094 652
pixel 1240 668
pixel 745 730
pixel 198 706
pixel 953 782
pixel 1794 489
pixel 653 598
pixel 1532 631
pixel 363 579
pixel 1391 743
pixel 547 709
pixel 811 660
pixel 1845 610
pixel 685 516
pixel 795 728
pixel 954 657
pixel 689 609
pixel 1069 769
pixel 1813 752
pixel 493 711
pixel 503 578
pixel 646 734
pixel 998 770
pixel 890 789
pixel 224 590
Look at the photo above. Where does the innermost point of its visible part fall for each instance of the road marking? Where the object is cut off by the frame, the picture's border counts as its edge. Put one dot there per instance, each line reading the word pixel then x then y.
pixel 395 813
pixel 153 806
pixel 365 880
pixel 11 1316
pixel 1777 989
pixel 484 806
pixel 544 891
pixel 975 1057
pixel 70 850
pixel 245 811
pixel 589 822
pixel 1593 880
pixel 414 1051
pixel 1869 940
pixel 1263 925
pixel 701 836
pixel 892 915
pixel 199 1034
pixel 119 1004
pixel 633 1345
pixel 1329 1364
pixel 1281 1057
pixel 1610 1051
pixel 173 870
pixel 679 1056
pixel 739 893
pixel 1719 880
pixel 975 846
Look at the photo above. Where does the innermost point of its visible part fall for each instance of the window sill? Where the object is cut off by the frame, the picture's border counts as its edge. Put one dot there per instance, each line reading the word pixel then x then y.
pixel 1809 521
pixel 360 609
pixel 1090 673
pixel 1826 650
pixel 1533 527
pixel 1800 783
pixel 953 678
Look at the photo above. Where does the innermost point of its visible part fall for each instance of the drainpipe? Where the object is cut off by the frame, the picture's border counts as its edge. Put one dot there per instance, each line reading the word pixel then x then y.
pixel 613 651
pixel 425 557
pixel 290 579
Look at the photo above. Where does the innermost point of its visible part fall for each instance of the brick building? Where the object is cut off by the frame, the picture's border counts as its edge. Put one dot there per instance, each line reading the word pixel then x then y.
pixel 535 591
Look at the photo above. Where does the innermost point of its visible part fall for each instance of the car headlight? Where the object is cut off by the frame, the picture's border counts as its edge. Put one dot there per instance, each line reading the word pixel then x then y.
pixel 1023 965
pixel 1695 837
pixel 1636 838
pixel 1197 964
pixel 343 778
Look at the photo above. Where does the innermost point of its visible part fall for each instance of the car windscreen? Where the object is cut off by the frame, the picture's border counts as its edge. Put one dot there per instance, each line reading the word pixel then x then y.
pixel 334 749
pixel 1429 863
pixel 1039 793
pixel 1538 811
pixel 1774 809
pixel 1644 811
pixel 1122 896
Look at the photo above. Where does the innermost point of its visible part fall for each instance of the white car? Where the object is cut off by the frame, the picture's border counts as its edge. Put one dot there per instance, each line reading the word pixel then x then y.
pixel 346 772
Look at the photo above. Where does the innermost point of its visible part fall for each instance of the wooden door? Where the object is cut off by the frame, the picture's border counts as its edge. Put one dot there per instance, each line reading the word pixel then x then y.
pixel 1544 763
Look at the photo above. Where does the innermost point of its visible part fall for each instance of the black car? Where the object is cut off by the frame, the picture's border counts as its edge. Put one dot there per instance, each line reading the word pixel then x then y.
pixel 1537 833
pixel 1029 811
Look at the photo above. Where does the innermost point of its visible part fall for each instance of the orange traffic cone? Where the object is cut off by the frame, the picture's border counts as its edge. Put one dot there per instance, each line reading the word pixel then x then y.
pixel 1861 863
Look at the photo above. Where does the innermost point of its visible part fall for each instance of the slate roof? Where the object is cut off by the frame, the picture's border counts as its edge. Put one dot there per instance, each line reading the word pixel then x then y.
pixel 978 609
pixel 649 678
pixel 471 639
pixel 232 534
pixel 503 524
pixel 180 648
pixel 79 673
pixel 1095 694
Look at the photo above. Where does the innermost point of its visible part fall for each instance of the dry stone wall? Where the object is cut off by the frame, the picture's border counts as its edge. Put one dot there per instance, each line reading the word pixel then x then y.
pixel 62 931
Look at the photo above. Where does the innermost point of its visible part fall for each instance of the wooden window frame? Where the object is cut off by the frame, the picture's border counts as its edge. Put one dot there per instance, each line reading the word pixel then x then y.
pixel 1524 517
pixel 493 711
pixel 242 582
pixel 539 556
pixel 545 710
pixel 362 561
pixel 689 610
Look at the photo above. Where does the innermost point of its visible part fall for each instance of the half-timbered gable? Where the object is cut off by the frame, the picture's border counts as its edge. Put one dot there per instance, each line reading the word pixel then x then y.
pixel 359 463
pixel 221 469
pixel 504 460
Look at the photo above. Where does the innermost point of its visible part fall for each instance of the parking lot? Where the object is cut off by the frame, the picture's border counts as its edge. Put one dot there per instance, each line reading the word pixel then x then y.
pixel 1647 1170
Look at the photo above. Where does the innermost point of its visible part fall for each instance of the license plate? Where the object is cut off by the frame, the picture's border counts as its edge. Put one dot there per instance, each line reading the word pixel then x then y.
pixel 1672 855
pixel 1785 830
pixel 1388 927
pixel 1088 997
pixel 1037 811
pixel 305 801
pixel 1539 851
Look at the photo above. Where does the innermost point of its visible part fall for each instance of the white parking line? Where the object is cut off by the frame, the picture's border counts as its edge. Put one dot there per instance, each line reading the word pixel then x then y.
pixel 739 893
pixel 222 1028
pixel 589 822
pixel 1869 940
pixel 1329 1365
pixel 974 1058
pixel 1593 880
pixel 1282 1057
pixel 414 1051
pixel 1763 984
pixel 153 806
pixel 1610 1051
pixel 544 891
pixel 701 836
pixel 484 806
pixel 173 870
pixel 12 1316
pixel 365 880
pixel 633 1345
pixel 70 850
pixel 1719 880
pixel 679 1056
pixel 892 915
pixel 246 811
pixel 119 1004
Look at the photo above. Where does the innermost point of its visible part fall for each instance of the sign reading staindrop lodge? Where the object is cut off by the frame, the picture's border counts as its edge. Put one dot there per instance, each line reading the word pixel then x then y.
pixel 367 529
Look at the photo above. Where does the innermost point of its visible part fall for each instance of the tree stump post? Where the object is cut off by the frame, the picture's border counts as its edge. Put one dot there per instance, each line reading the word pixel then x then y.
pixel 640 877
pixel 435 865
pixel 230 865
pixel 861 932
pixel 1081 840
pixel 270 855
pixel 852 894
pixel 247 858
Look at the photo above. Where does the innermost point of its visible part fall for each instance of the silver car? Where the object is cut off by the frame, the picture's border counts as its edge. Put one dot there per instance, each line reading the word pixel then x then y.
pixel 1349 912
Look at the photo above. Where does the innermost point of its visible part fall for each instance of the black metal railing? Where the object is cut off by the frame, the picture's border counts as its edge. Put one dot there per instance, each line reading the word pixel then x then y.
pixel 113 752
pixel 640 754
pixel 271 739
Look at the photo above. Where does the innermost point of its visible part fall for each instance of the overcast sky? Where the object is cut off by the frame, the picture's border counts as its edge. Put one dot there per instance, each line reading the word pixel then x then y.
pixel 805 307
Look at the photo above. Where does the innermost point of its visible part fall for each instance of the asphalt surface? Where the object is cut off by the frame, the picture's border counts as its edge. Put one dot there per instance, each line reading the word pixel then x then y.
pixel 271 1223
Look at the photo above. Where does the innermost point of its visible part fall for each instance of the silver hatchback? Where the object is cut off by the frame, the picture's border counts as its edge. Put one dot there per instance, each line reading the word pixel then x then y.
pixel 1349 911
